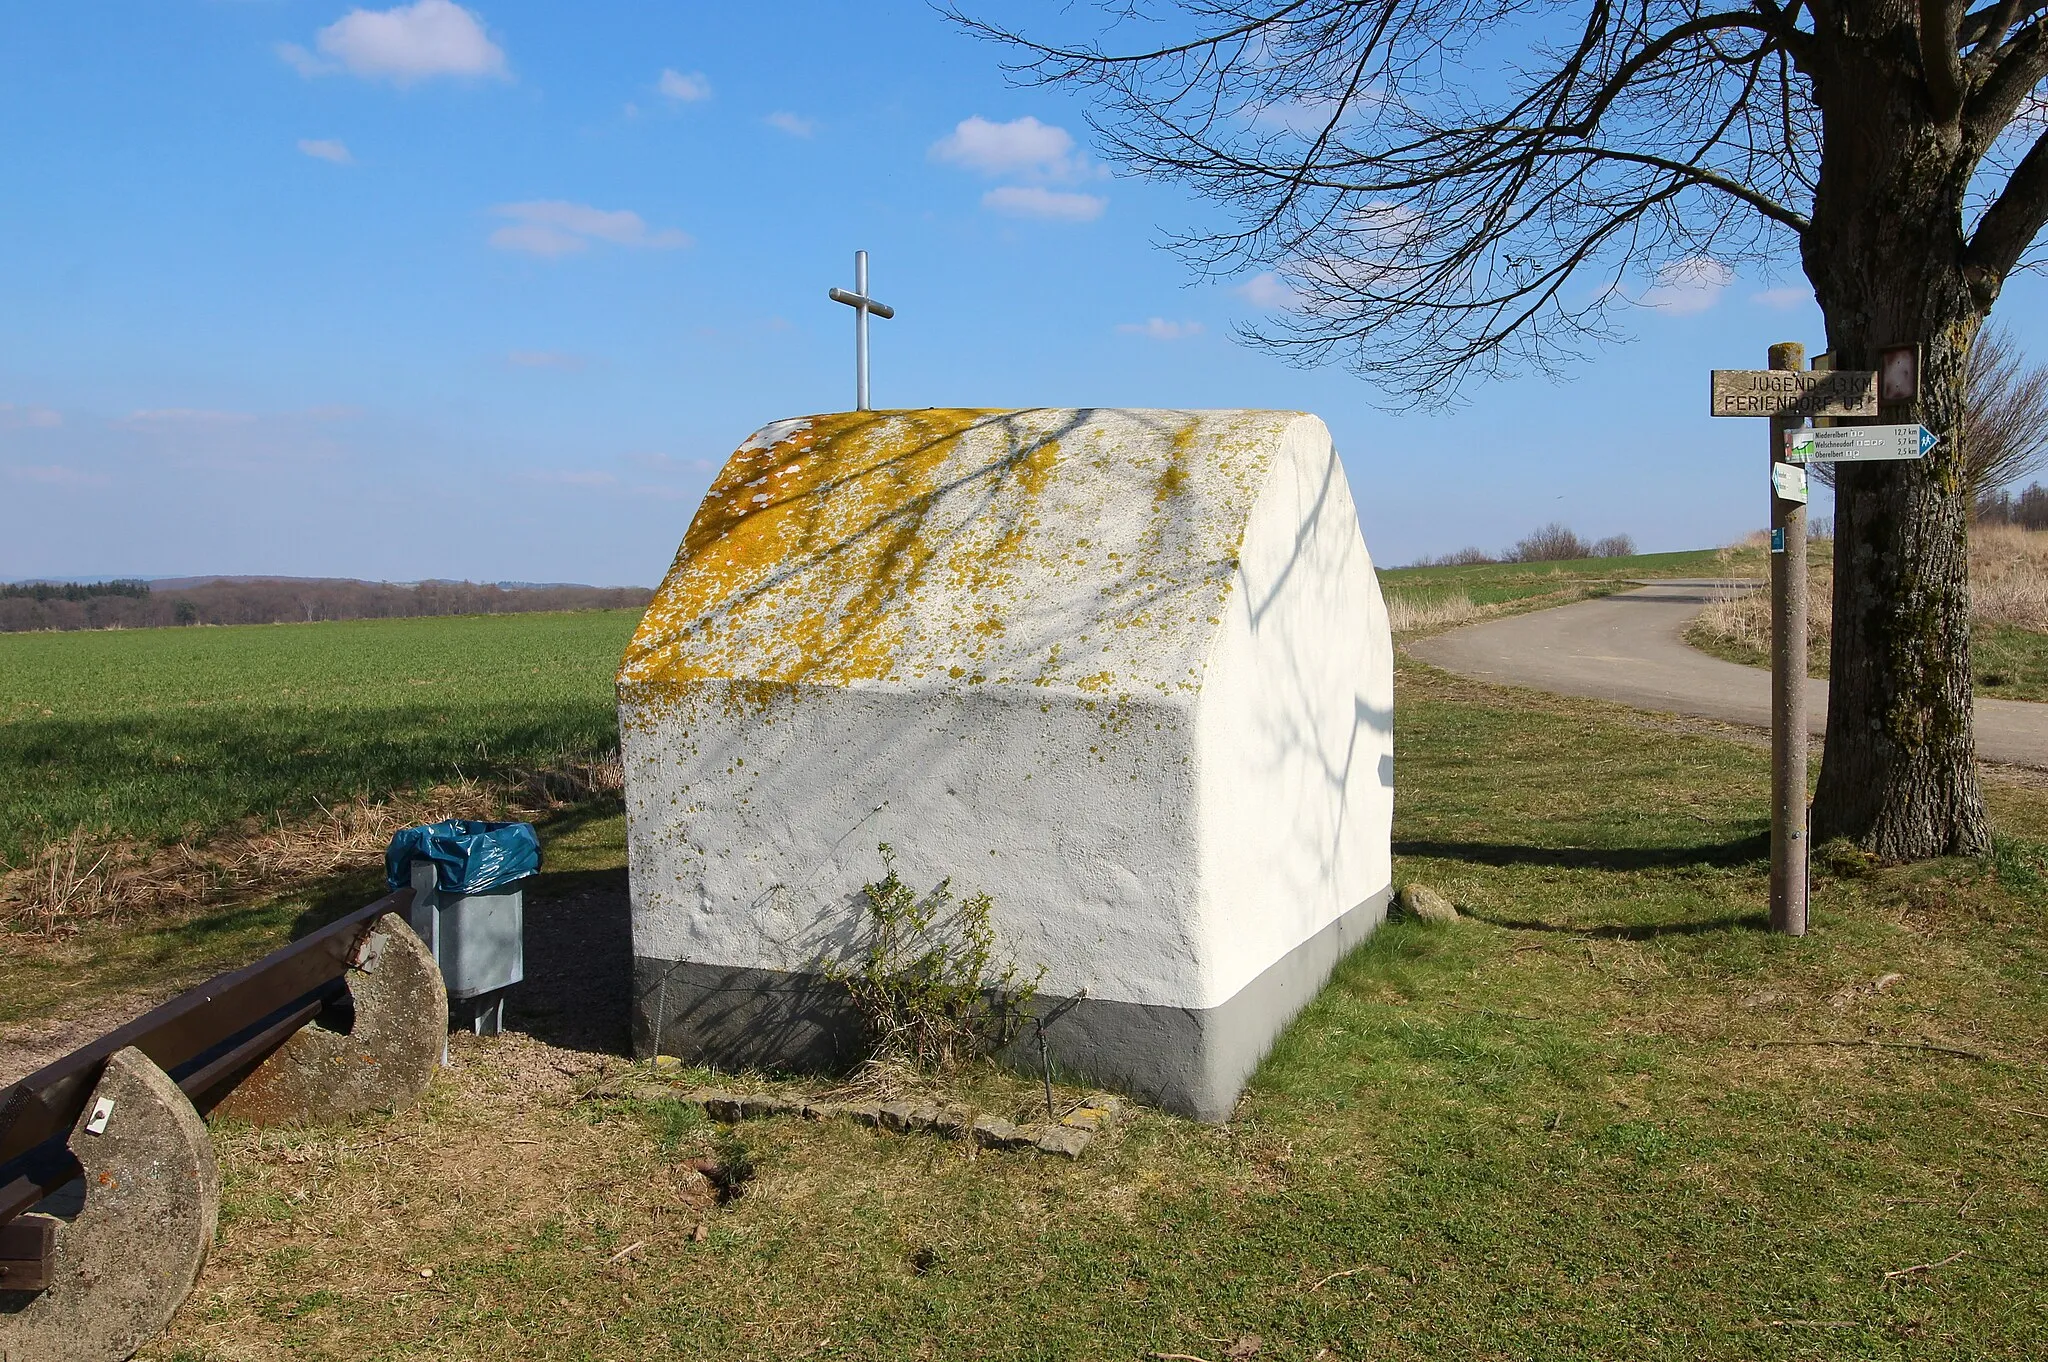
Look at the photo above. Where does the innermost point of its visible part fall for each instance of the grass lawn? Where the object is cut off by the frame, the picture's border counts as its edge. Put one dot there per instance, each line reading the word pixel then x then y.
pixel 1604 1116
pixel 163 735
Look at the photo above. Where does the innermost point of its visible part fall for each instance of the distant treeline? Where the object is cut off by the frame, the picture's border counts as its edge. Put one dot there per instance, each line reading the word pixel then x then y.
pixel 70 591
pixel 2028 510
pixel 135 605
pixel 1554 543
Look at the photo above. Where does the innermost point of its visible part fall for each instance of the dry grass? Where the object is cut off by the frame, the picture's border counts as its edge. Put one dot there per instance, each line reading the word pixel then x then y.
pixel 2008 585
pixel 2009 576
pixel 1745 621
pixel 81 880
pixel 1408 615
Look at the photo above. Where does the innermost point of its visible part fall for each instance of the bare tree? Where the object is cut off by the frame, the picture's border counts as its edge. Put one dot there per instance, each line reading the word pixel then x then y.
pixel 1453 189
pixel 2004 430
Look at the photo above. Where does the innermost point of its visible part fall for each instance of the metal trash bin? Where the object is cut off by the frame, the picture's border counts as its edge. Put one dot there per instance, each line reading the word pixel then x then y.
pixel 469 900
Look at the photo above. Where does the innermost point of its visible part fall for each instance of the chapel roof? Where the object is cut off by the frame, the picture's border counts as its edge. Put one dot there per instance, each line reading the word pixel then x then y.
pixel 1091 549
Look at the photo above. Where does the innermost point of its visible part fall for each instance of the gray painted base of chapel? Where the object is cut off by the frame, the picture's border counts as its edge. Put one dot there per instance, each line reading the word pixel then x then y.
pixel 1192 1061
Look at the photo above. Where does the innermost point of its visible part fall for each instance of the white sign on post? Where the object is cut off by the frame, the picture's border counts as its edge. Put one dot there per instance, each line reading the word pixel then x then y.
pixel 1854 444
pixel 1788 481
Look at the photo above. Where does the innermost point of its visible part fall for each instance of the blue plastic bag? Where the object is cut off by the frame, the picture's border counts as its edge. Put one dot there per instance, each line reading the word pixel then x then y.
pixel 469 857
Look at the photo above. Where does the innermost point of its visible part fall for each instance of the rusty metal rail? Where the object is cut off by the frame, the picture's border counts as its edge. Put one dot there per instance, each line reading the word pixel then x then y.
pixel 207 1039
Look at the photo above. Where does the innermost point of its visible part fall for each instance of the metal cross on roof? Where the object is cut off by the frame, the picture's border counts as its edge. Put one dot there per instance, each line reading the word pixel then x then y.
pixel 862 305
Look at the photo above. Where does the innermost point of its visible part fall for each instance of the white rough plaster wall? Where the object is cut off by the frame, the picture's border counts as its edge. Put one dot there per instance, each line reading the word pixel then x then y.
pixel 1125 670
pixel 1295 724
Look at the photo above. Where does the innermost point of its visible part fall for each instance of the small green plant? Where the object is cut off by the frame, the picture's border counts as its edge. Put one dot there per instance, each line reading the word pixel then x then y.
pixel 925 982
pixel 2018 863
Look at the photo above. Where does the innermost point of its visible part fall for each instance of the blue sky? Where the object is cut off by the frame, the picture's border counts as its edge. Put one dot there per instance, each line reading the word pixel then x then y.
pixel 489 292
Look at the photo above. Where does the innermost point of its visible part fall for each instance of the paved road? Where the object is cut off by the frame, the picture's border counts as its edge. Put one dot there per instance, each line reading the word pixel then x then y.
pixel 1631 647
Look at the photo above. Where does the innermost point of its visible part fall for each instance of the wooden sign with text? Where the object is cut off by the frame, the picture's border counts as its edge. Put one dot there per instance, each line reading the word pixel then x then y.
pixel 1794 392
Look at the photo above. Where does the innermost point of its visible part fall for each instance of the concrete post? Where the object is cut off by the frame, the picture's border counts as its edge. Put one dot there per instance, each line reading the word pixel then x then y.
pixel 1788 684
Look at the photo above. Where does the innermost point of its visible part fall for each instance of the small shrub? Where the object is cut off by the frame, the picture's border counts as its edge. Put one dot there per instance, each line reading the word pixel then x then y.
pixel 1471 557
pixel 925 983
pixel 1551 544
pixel 1615 546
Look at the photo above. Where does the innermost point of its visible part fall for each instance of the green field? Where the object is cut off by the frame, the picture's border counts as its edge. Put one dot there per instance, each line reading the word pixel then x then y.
pixel 1506 583
pixel 169 734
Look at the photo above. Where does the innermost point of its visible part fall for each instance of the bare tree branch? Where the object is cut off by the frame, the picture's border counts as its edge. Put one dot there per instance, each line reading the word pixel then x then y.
pixel 2012 222
pixel 1709 179
pixel 1940 63
pixel 1985 29
pixel 1445 201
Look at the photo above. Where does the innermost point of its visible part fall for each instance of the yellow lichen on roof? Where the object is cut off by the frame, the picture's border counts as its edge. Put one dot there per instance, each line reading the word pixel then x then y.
pixel 1082 548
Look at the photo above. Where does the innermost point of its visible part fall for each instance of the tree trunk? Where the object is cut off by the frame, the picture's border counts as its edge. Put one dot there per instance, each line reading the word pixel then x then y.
pixel 1898 772
pixel 1885 256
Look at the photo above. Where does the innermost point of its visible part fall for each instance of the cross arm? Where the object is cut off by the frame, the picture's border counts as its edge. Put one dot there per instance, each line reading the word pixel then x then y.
pixel 840 295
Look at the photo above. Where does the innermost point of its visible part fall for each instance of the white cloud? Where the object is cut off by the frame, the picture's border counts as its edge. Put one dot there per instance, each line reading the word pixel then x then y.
pixel 1158 328
pixel 554 227
pixel 165 419
pixel 1035 201
pixel 1308 117
pixel 34 418
pixel 1791 296
pixel 302 61
pixel 796 125
pixel 1269 291
pixel 545 359
pixel 535 239
pixel 402 44
pixel 1688 285
pixel 327 149
pixel 56 475
pixel 1023 148
pixel 684 89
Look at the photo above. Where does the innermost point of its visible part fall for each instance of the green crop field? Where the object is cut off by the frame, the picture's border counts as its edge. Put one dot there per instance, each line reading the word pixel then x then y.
pixel 1501 583
pixel 166 734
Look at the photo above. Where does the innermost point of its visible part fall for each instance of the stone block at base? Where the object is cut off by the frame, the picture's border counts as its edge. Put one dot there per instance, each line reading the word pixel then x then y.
pixel 1190 1061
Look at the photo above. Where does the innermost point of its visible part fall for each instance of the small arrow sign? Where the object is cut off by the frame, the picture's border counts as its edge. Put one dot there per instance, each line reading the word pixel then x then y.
pixel 1855 444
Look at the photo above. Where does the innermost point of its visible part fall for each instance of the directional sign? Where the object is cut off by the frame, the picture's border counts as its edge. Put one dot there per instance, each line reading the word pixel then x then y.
pixel 1794 392
pixel 1788 481
pixel 1852 444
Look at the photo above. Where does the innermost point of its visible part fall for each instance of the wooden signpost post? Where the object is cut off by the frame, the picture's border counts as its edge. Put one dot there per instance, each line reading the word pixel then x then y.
pixel 1788 393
